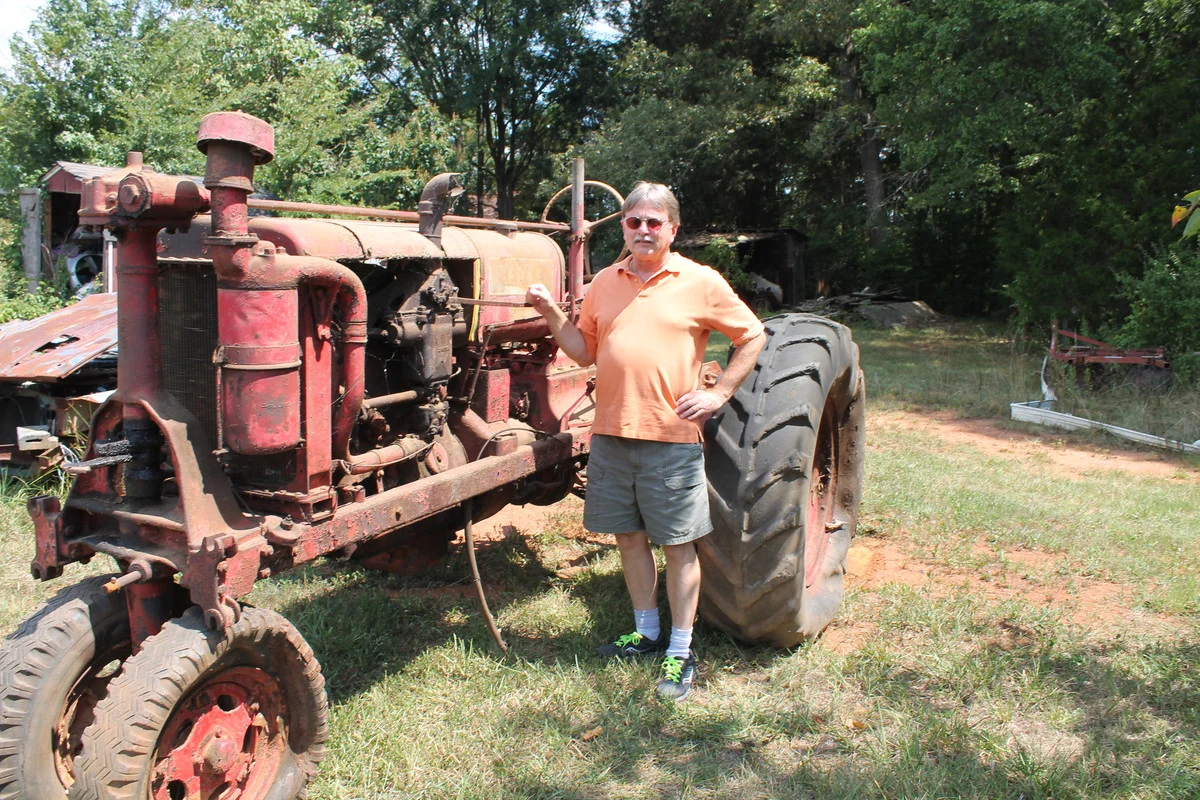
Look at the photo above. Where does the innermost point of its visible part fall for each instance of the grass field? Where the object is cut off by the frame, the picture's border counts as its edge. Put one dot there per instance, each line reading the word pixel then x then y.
pixel 1021 621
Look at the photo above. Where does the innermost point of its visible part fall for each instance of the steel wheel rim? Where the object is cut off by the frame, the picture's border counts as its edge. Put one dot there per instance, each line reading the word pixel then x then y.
pixel 820 512
pixel 224 741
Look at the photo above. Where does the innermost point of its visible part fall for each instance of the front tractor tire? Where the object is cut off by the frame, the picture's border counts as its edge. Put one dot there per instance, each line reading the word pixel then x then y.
pixel 200 715
pixel 784 463
pixel 53 669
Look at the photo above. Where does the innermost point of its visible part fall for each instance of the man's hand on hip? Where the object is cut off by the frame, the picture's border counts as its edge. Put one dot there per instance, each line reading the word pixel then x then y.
pixel 699 404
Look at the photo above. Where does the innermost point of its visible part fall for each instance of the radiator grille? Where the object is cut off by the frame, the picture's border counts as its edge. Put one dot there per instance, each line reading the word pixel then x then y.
pixel 188 326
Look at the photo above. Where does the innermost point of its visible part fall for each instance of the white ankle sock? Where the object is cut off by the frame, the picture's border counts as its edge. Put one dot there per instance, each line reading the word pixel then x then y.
pixel 646 623
pixel 681 642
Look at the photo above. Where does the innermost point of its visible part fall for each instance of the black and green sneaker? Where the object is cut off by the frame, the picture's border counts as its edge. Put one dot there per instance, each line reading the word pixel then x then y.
pixel 678 674
pixel 631 645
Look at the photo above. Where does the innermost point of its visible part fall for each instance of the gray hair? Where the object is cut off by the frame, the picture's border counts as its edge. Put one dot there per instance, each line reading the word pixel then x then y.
pixel 653 194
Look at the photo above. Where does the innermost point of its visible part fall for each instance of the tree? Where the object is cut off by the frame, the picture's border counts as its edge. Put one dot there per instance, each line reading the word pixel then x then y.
pixel 68 77
pixel 762 123
pixel 705 108
pixel 520 70
pixel 97 79
pixel 1044 129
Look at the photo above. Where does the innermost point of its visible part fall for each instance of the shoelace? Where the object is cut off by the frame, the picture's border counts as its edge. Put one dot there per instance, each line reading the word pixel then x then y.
pixel 672 668
pixel 628 639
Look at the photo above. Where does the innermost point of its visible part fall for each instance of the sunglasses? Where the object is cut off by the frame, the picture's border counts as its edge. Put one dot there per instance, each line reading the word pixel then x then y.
pixel 652 223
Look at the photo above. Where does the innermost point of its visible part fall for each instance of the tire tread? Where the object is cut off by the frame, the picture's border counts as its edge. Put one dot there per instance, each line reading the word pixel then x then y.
pixel 807 362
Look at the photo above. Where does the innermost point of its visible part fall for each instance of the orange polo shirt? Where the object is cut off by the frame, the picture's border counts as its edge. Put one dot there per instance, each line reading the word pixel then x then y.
pixel 648 341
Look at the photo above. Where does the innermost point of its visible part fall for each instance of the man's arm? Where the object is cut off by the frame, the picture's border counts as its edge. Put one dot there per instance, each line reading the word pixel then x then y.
pixel 569 338
pixel 700 404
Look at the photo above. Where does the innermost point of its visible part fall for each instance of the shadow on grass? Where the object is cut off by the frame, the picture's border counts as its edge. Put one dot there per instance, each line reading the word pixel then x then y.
pixel 938 754
pixel 1135 728
pixel 366 624
pixel 1137 733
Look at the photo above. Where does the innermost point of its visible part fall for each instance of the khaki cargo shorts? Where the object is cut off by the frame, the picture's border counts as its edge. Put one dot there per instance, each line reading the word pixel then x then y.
pixel 635 485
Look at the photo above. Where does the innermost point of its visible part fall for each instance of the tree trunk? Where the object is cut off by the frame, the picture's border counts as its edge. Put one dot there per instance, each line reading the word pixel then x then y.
pixel 31 236
pixel 873 184
pixel 872 170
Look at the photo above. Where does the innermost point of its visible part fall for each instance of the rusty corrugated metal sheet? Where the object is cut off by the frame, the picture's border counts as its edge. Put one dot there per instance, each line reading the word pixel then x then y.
pixel 52 347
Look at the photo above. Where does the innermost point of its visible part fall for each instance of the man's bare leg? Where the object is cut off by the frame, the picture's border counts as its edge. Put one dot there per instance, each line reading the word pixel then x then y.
pixel 683 590
pixel 641 580
pixel 641 571
pixel 683 583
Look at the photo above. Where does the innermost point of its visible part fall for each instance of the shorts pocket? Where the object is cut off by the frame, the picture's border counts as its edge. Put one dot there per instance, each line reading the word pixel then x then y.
pixel 683 480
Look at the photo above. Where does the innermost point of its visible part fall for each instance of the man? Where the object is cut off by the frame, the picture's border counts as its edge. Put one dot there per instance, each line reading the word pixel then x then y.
pixel 645 323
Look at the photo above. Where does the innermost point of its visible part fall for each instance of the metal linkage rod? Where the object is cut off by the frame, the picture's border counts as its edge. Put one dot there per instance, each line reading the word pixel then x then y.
pixel 405 216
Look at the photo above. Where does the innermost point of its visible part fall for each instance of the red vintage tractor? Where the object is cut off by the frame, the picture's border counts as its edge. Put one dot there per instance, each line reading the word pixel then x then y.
pixel 292 388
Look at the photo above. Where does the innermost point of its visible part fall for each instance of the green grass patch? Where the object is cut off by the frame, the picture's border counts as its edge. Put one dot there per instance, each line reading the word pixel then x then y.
pixel 974 370
pixel 978 370
pixel 950 692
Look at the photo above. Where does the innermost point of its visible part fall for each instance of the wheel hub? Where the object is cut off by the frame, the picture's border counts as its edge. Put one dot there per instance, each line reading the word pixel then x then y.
pixel 224 741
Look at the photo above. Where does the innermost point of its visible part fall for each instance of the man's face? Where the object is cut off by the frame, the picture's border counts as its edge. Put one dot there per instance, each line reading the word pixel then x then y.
pixel 645 241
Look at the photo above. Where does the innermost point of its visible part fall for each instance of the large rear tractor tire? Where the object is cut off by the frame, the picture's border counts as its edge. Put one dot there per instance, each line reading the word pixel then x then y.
pixel 202 714
pixel 53 670
pixel 784 463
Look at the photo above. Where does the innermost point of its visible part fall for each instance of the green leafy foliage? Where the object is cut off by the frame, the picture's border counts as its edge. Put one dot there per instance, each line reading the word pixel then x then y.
pixel 1188 213
pixel 993 157
pixel 1165 308
pixel 721 254
pixel 16 303
pixel 520 71
pixel 96 79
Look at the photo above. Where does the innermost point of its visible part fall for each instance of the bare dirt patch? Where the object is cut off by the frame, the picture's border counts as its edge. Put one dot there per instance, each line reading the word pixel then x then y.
pixel 1070 456
pixel 524 519
pixel 1103 607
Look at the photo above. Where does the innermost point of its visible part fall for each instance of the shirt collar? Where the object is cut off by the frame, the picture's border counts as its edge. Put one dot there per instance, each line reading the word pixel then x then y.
pixel 672 264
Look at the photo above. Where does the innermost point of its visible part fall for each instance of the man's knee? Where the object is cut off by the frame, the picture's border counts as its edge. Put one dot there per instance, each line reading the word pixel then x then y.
pixel 681 555
pixel 632 542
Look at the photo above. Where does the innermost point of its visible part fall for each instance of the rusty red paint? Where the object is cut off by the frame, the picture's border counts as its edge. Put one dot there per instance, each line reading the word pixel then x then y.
pixel 149 606
pixel 492 395
pixel 57 345
pixel 51 550
pixel 142 190
pixel 559 394
pixel 247 134
pixel 1096 352
pixel 413 502
pixel 314 458
pixel 406 216
pixel 259 359
pixel 820 512
pixel 139 351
